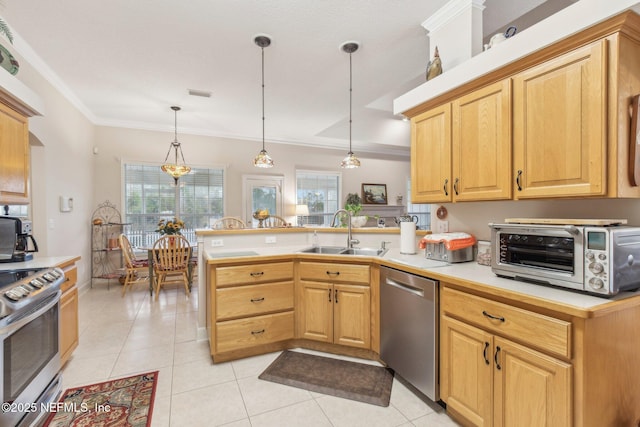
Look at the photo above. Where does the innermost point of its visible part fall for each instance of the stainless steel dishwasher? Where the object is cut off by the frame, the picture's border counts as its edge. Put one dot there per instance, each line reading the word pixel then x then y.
pixel 409 308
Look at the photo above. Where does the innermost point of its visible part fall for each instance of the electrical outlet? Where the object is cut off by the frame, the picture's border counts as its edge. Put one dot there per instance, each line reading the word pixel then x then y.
pixel 270 239
pixel 217 243
pixel 443 226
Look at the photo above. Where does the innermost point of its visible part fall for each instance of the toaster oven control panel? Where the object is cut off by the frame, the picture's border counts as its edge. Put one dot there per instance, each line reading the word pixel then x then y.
pixel 596 262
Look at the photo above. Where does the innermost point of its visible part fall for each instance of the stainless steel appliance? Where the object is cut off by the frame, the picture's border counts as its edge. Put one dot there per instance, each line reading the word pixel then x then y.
pixel 449 247
pixel 409 307
pixel 16 241
pixel 601 260
pixel 29 344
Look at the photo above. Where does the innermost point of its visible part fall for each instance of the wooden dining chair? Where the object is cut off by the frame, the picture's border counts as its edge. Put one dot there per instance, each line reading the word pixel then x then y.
pixel 229 222
pixel 136 270
pixel 171 255
pixel 275 221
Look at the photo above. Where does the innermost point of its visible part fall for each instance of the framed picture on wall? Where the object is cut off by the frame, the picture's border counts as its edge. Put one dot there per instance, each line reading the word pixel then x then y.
pixel 374 194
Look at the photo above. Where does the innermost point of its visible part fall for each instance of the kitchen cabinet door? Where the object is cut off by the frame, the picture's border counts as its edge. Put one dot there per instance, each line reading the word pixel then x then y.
pixel 530 388
pixel 68 323
pixel 315 311
pixel 466 371
pixel 431 156
pixel 481 144
pixel 559 124
pixel 352 315
pixel 14 161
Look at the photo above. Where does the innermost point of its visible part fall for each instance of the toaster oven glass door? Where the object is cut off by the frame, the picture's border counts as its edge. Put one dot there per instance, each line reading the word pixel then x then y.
pixel 537 251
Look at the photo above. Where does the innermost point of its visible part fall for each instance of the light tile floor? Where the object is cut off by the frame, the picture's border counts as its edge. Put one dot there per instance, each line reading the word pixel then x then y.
pixel 135 334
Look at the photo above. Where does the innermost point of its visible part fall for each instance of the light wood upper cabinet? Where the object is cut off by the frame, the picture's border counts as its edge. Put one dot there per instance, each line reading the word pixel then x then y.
pixel 431 156
pixel 559 123
pixel 461 151
pixel 481 143
pixel 565 115
pixel 14 161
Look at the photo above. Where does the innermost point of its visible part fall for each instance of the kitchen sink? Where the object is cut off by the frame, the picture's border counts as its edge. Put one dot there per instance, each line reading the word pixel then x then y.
pixel 364 251
pixel 324 250
pixel 339 250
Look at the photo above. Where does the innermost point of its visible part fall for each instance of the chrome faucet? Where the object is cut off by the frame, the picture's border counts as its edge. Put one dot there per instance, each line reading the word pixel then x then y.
pixel 350 241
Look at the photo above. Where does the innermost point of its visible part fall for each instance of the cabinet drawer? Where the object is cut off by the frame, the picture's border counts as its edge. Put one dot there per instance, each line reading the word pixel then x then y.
pixel 253 331
pixel 70 278
pixel 334 272
pixel 532 328
pixel 251 300
pixel 253 273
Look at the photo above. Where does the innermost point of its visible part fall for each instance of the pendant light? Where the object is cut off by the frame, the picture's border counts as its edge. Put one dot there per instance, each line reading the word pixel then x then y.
pixel 176 169
pixel 262 160
pixel 351 161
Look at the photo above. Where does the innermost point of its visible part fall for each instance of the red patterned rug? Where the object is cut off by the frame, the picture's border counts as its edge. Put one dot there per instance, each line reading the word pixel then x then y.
pixel 125 402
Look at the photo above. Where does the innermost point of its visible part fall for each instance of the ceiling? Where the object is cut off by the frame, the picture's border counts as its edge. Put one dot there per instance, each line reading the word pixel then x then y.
pixel 124 63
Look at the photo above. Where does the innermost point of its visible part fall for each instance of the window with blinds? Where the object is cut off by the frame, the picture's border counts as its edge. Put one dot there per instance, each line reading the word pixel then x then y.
pixel 320 191
pixel 151 195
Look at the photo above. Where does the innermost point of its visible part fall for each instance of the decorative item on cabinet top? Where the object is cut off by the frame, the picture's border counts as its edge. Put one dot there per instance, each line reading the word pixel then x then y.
pixel 434 68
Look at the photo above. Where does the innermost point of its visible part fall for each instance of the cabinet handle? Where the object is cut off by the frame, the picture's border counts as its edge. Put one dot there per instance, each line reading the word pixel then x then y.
pixel 333 273
pixel 261 331
pixel 335 296
pixel 257 274
pixel 495 357
pixel 446 182
pixel 455 186
pixel 492 317
pixel 257 299
pixel 519 180
pixel 329 295
pixel 484 352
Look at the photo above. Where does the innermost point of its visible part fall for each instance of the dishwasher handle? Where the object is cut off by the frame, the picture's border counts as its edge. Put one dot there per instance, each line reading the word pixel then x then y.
pixel 404 287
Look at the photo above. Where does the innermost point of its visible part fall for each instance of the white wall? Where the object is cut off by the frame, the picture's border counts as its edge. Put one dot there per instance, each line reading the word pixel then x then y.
pixel 474 217
pixel 60 165
pixel 118 144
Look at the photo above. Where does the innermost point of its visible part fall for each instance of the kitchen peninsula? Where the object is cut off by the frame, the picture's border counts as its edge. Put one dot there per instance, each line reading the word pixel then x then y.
pixel 550 353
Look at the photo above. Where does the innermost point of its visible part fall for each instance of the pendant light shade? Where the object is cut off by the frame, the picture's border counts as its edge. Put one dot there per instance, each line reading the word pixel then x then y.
pixel 175 169
pixel 263 160
pixel 351 161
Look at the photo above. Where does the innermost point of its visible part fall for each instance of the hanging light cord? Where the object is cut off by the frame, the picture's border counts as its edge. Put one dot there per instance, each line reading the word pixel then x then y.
pixel 350 102
pixel 262 48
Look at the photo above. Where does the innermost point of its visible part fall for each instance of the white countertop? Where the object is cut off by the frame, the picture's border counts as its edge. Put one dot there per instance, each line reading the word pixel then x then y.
pixel 36 262
pixel 467 271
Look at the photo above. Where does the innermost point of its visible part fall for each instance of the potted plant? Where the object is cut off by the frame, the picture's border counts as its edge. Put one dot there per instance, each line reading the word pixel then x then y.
pixel 354 206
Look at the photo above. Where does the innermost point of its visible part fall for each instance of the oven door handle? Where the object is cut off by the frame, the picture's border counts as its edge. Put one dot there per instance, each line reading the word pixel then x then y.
pixel 571 229
pixel 22 319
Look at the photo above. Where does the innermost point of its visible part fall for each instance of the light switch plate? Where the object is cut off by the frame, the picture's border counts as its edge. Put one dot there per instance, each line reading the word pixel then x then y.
pixel 217 243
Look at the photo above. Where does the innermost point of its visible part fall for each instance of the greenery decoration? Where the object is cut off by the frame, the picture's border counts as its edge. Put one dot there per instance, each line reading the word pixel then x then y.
pixel 4 29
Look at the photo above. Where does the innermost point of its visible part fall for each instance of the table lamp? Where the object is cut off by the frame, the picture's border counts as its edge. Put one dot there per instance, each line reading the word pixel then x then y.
pixel 302 210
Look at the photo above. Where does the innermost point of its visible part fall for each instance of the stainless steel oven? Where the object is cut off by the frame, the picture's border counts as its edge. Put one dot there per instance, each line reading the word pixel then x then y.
pixel 29 345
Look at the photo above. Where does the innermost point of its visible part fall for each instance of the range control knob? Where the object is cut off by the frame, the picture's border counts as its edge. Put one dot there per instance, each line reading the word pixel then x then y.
pixel 596 268
pixel 596 283
pixel 590 256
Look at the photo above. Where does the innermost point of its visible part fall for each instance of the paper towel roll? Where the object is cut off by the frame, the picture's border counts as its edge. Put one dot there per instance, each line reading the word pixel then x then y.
pixel 408 237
